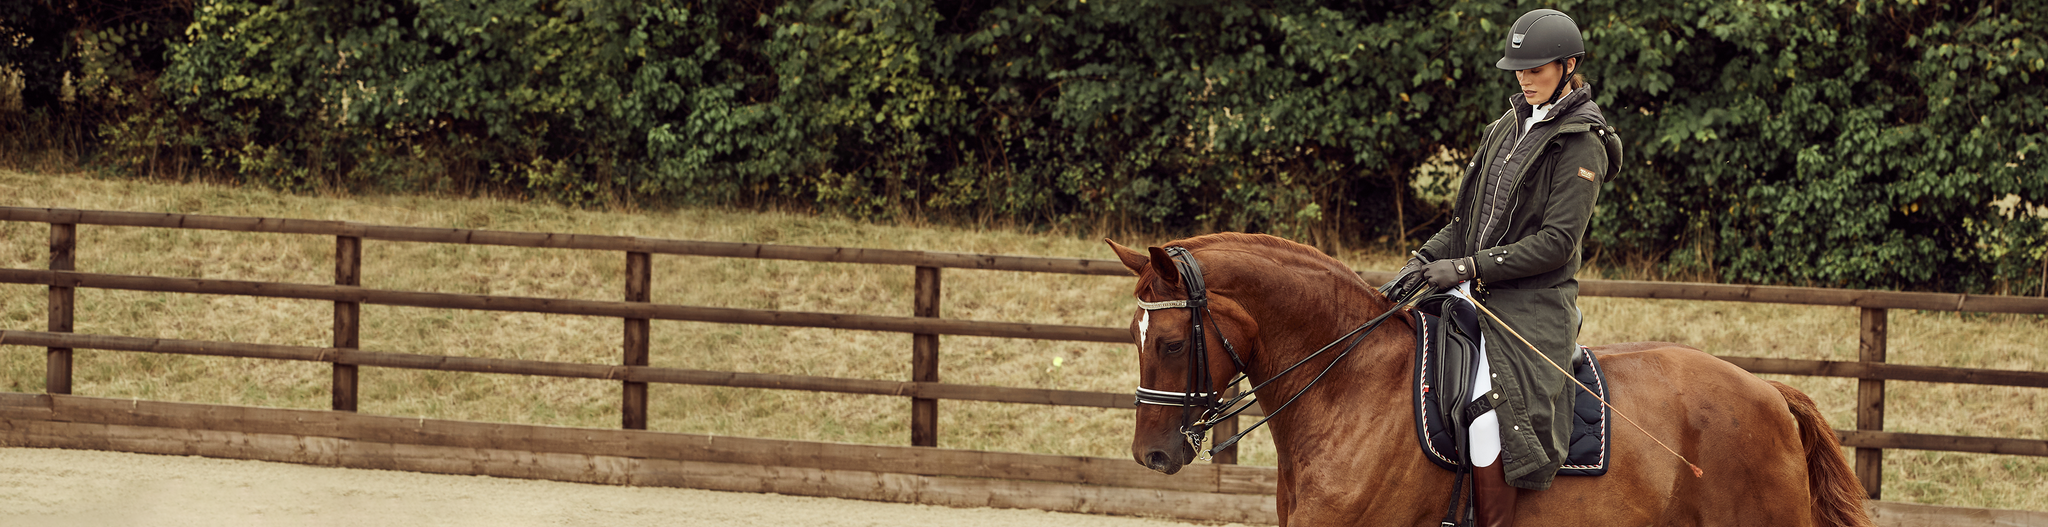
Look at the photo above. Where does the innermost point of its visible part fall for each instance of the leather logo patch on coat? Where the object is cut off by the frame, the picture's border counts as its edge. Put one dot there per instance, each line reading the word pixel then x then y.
pixel 1586 174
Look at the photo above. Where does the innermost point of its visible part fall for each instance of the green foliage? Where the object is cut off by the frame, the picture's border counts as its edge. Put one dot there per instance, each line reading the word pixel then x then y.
pixel 82 66
pixel 555 97
pixel 1823 142
pixel 1829 142
pixel 32 45
pixel 1278 116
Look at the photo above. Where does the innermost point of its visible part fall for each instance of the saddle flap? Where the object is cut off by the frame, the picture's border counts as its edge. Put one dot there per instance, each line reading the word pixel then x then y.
pixel 1453 339
pixel 1442 381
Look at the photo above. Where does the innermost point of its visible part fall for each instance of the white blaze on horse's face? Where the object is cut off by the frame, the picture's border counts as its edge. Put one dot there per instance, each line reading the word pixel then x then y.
pixel 1144 322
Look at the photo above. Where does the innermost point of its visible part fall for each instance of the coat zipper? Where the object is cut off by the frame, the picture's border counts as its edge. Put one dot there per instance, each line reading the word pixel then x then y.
pixel 1478 184
pixel 1520 181
pixel 1521 176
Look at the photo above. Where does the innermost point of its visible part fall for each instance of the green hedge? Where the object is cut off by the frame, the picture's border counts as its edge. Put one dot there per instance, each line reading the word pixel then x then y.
pixel 1834 143
pixel 1820 142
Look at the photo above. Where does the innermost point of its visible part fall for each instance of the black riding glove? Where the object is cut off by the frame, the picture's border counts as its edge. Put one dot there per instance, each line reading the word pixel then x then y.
pixel 1445 274
pixel 1404 280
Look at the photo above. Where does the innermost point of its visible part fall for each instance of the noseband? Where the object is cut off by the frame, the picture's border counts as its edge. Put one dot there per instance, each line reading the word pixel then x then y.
pixel 1202 406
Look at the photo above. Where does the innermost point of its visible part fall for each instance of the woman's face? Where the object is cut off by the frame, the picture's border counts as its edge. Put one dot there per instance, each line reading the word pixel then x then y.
pixel 1538 83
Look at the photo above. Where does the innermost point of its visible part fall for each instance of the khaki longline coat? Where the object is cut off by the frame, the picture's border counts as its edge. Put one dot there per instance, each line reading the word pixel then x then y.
pixel 1525 272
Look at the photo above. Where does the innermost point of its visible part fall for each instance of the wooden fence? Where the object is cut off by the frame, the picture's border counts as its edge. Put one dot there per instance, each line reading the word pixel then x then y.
pixel 918 473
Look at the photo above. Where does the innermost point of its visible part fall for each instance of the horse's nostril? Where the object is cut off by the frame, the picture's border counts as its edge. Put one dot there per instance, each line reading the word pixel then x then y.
pixel 1157 460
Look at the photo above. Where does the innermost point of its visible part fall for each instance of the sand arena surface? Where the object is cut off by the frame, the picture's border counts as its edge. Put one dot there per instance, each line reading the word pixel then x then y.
pixel 48 487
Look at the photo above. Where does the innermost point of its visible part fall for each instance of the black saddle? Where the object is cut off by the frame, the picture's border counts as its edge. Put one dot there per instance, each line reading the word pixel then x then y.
pixel 1443 387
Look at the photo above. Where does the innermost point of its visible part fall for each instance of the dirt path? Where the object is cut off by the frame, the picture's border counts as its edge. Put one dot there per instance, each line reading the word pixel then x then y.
pixel 44 487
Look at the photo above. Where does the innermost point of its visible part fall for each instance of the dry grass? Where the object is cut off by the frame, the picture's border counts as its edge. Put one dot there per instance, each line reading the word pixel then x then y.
pixel 1999 342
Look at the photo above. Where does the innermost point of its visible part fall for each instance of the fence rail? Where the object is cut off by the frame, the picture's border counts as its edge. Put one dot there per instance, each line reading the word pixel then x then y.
pixel 597 308
pixel 641 374
pixel 366 231
pixel 924 388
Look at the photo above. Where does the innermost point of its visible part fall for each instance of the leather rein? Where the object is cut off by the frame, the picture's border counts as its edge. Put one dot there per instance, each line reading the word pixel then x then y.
pixel 1203 406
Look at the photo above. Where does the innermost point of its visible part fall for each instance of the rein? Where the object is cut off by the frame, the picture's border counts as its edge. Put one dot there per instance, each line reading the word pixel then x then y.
pixel 1202 395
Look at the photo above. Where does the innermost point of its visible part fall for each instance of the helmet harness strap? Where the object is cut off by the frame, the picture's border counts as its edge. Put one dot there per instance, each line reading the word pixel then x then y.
pixel 1561 80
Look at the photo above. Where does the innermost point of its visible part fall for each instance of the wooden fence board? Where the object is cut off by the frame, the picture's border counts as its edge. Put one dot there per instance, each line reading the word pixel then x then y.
pixel 1947 443
pixel 1208 478
pixel 1895 372
pixel 571 241
pixel 1100 471
pixel 599 308
pixel 697 469
pixel 575 370
pixel 1896 514
pixel 1794 295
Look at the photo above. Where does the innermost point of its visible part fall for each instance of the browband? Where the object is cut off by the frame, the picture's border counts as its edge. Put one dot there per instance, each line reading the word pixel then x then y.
pixel 1163 304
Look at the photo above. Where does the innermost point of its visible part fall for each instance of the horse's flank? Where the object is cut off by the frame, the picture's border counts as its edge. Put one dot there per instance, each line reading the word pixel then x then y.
pixel 1347 453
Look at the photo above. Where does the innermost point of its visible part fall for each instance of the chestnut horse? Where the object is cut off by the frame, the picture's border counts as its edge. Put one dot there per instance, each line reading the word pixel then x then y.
pixel 1348 453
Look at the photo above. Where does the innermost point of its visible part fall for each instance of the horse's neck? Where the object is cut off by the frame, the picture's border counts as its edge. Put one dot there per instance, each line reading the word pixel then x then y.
pixel 1368 385
pixel 1353 430
pixel 1349 422
pixel 1362 400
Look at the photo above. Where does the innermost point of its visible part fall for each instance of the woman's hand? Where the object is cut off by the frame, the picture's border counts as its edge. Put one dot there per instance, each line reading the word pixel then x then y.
pixel 1445 274
pixel 1404 280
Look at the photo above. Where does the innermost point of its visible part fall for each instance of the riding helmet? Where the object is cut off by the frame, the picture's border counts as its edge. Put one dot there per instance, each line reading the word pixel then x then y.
pixel 1541 37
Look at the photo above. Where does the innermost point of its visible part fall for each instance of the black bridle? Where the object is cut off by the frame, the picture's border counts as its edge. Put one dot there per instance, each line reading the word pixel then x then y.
pixel 1202 396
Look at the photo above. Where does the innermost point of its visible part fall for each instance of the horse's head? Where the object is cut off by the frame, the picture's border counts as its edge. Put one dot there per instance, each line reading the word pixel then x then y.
pixel 1184 334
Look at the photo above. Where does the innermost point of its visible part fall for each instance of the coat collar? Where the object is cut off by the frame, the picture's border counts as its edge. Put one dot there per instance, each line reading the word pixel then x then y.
pixel 1573 104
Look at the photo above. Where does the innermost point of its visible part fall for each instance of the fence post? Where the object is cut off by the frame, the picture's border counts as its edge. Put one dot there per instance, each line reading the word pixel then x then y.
pixel 924 361
pixel 1222 431
pixel 1870 402
pixel 639 279
pixel 63 241
pixel 348 270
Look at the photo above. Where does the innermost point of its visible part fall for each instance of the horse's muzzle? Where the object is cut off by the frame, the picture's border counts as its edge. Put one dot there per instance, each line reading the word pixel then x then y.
pixel 1167 458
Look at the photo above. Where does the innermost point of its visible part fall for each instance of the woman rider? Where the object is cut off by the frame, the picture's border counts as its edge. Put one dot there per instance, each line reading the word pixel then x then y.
pixel 1513 246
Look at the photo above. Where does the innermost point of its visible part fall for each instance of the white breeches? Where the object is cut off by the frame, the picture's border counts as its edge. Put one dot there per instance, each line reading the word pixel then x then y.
pixel 1484 434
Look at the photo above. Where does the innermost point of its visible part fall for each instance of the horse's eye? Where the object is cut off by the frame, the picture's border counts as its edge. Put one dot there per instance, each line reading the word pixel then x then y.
pixel 1173 347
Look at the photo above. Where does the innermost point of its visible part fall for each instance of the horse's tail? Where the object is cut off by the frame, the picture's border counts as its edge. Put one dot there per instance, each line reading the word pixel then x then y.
pixel 1837 494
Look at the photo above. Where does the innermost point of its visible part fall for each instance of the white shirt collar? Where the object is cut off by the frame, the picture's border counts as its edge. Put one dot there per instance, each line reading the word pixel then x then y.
pixel 1536 115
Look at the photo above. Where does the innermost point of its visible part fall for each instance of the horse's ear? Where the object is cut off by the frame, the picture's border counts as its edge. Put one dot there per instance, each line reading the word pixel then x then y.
pixel 1163 264
pixel 1131 257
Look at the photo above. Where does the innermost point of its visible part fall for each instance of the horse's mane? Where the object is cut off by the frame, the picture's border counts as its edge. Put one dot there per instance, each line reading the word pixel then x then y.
pixel 1278 247
pixel 1260 240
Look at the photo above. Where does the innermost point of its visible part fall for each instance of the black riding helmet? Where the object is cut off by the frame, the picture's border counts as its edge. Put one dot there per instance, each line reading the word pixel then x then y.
pixel 1541 37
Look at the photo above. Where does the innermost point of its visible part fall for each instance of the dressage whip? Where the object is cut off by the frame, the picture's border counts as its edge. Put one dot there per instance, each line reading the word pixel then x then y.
pixel 1589 391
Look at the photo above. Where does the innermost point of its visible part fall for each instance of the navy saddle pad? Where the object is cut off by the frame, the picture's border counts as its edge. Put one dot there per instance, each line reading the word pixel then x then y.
pixel 1588 455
